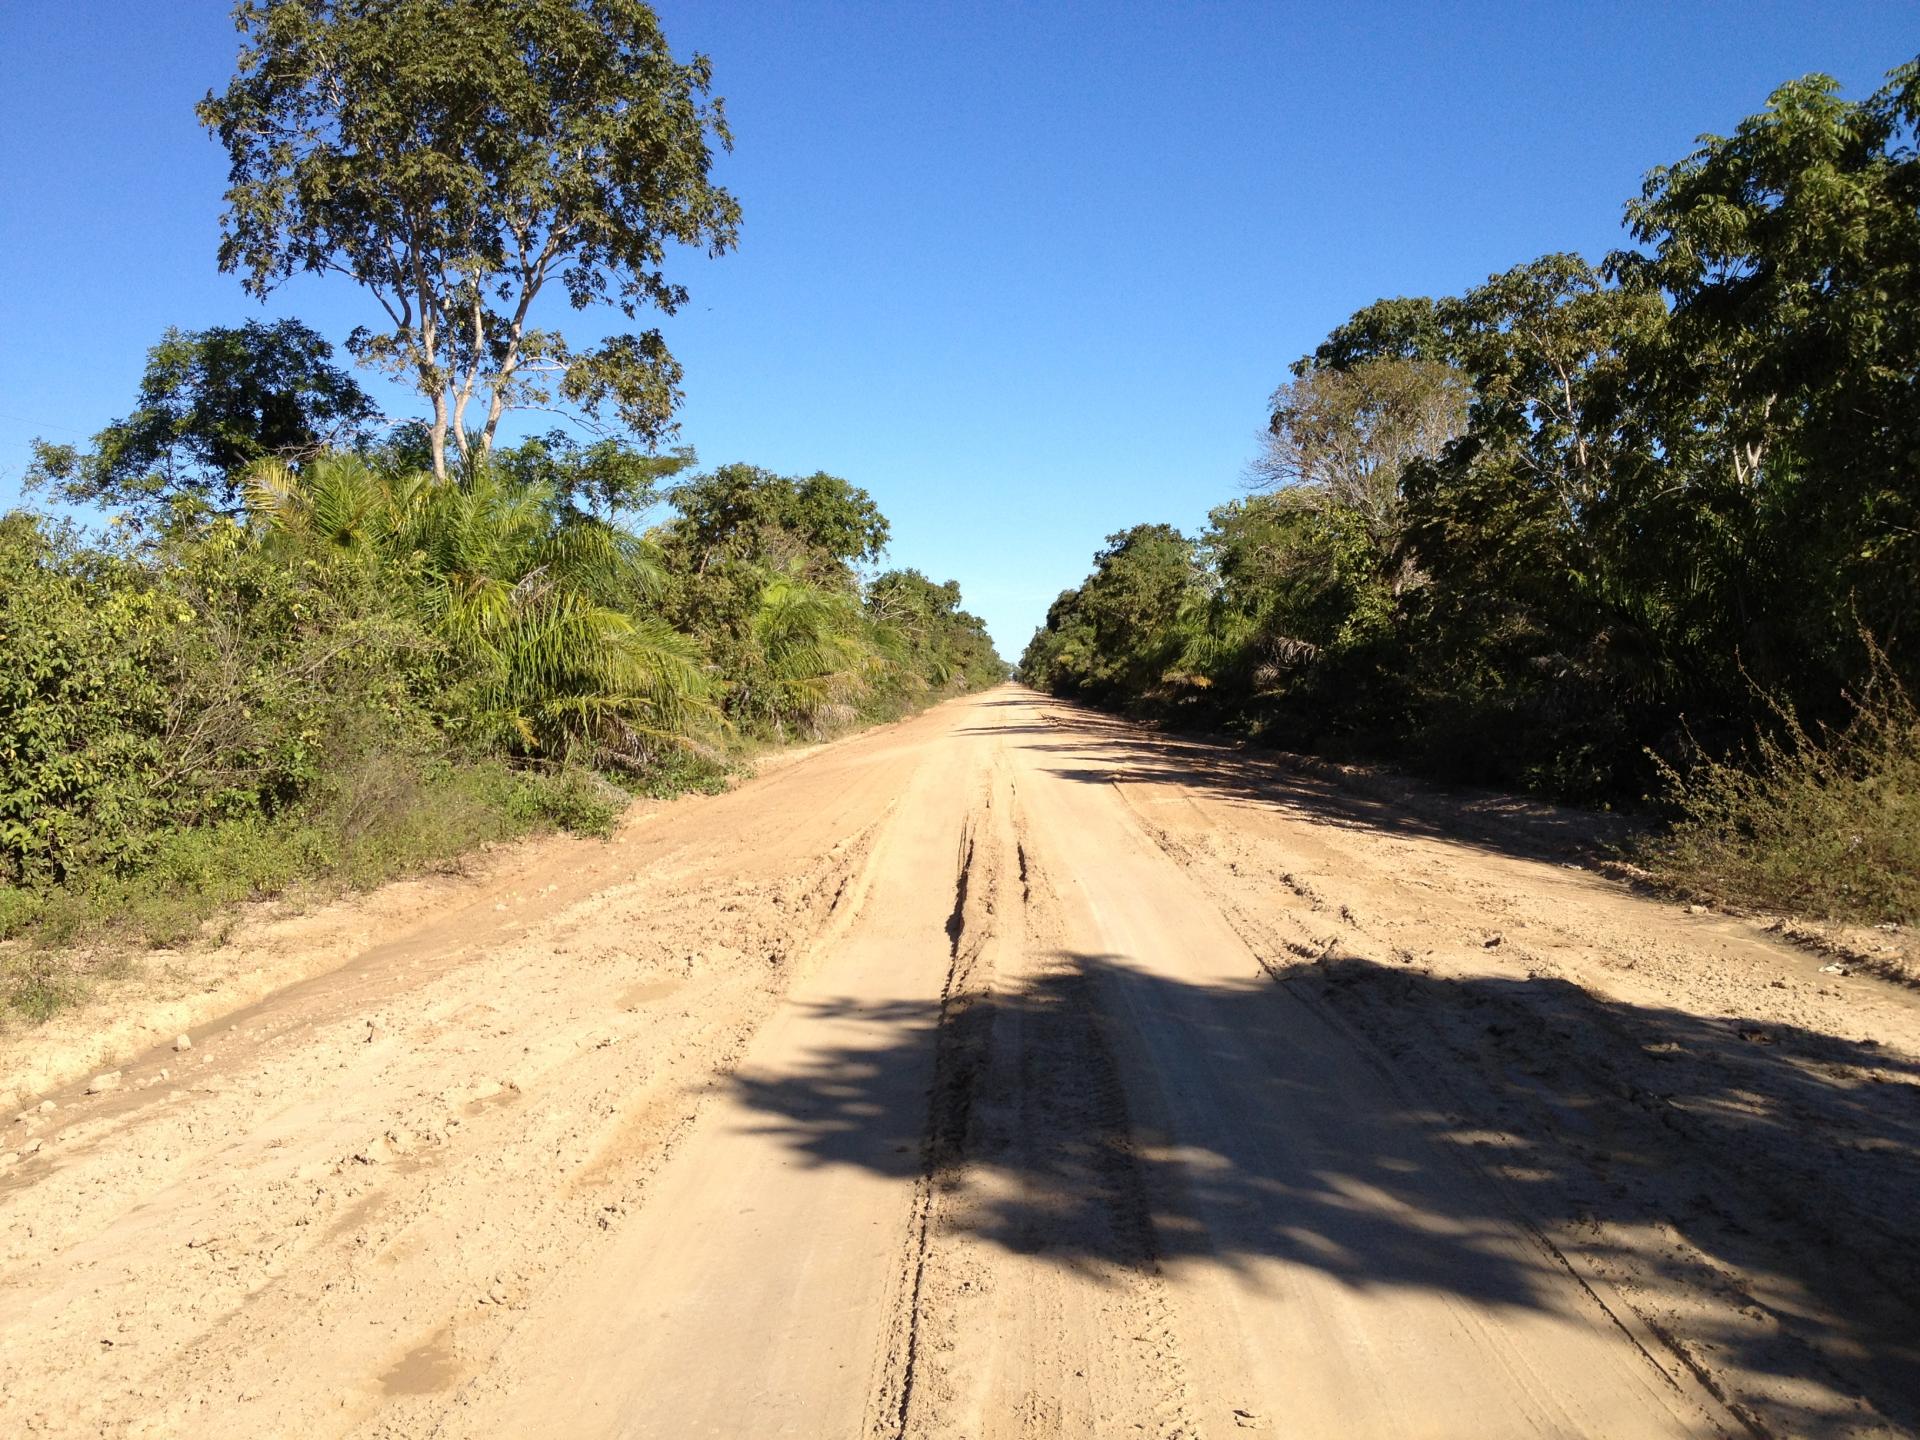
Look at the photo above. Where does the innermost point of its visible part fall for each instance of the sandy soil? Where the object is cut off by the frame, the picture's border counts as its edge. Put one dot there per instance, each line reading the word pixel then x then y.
pixel 1006 1072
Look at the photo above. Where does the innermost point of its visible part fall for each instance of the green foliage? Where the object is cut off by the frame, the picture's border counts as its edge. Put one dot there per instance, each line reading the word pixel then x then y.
pixel 572 798
pixel 81 707
pixel 38 985
pixel 1340 438
pixel 219 714
pixel 741 512
pixel 761 571
pixel 458 158
pixel 804 662
pixel 194 681
pixel 1119 633
pixel 211 403
pixel 534 602
pixel 929 642
pixel 685 771
pixel 325 657
pixel 1403 328
pixel 604 477
pixel 1789 378
pixel 1565 529
pixel 375 671
pixel 1827 822
pixel 376 816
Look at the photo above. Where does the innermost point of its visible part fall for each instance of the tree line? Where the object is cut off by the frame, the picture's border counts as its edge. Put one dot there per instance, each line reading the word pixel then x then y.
pixel 310 639
pixel 1607 531
pixel 298 651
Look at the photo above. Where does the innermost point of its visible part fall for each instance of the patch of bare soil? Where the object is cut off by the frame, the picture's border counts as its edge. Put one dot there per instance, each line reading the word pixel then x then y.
pixel 330 1208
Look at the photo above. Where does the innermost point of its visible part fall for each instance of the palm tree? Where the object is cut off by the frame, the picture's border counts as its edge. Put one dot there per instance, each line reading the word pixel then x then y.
pixel 808 656
pixel 541 607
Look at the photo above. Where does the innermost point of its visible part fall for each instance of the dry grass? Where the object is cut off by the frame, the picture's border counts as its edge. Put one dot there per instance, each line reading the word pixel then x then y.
pixel 380 819
pixel 1824 824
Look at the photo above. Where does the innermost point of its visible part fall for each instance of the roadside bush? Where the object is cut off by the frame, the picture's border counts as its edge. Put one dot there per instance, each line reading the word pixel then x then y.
pixel 383 819
pixel 36 985
pixel 200 718
pixel 372 672
pixel 1824 823
pixel 686 772
pixel 195 683
pixel 82 708
pixel 571 799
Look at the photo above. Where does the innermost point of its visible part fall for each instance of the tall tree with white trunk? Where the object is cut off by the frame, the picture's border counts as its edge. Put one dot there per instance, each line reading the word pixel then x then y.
pixel 462 158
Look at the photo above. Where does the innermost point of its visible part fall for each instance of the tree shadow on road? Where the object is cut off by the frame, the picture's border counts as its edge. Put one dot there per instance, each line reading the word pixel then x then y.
pixel 1112 750
pixel 1126 1118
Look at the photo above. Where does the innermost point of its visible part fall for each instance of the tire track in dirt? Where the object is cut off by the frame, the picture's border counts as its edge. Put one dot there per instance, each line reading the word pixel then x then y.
pixel 1331 1267
pixel 341 1202
pixel 1599 1171
pixel 981 1078
pixel 1012 1332
pixel 758 1289
pixel 316 1221
pixel 958 1053
pixel 1336 953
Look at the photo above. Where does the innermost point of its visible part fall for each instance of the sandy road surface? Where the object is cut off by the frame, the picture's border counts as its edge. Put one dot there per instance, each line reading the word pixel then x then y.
pixel 1006 1072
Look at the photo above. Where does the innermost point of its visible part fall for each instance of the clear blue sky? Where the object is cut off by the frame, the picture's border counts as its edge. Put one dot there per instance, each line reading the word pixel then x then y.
pixel 1026 270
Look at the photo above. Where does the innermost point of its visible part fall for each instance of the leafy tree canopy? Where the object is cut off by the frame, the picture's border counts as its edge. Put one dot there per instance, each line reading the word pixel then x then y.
pixel 742 511
pixel 1679 501
pixel 459 158
pixel 1118 633
pixel 1403 328
pixel 1343 437
pixel 908 592
pixel 1789 387
pixel 211 403
pixel 605 477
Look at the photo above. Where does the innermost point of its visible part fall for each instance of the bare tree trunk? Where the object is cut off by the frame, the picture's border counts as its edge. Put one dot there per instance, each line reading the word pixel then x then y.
pixel 428 355
pixel 439 436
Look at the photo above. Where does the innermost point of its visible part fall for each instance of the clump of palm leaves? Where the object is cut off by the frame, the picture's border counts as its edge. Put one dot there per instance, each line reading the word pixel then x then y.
pixel 809 658
pixel 541 608
pixel 373 670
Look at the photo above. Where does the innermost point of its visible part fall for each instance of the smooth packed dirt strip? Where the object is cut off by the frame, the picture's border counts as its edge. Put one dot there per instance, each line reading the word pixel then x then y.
pixel 1011 1071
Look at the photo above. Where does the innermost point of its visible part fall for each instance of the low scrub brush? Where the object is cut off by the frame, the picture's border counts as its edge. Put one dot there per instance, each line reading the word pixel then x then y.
pixel 1823 823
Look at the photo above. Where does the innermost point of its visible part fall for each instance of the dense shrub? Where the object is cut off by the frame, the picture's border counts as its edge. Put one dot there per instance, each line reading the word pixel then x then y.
pixel 371 671
pixel 1589 525
pixel 1826 822
pixel 82 706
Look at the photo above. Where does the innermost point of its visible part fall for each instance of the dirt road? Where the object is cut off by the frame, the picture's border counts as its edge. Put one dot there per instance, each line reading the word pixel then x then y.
pixel 1006 1072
